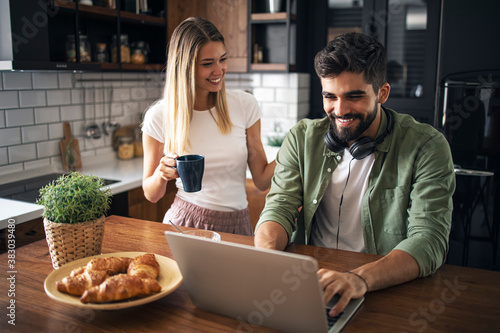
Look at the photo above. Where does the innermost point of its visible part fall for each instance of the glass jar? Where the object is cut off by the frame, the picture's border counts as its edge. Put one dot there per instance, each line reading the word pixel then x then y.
pixel 124 49
pixel 101 54
pixel 125 147
pixel 84 49
pixel 138 149
pixel 140 51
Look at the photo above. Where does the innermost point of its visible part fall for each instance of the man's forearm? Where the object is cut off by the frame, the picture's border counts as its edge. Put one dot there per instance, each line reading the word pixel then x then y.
pixel 271 235
pixel 395 268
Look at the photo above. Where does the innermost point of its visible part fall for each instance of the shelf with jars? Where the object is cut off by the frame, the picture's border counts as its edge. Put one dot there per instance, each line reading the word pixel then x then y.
pixel 44 35
pixel 273 35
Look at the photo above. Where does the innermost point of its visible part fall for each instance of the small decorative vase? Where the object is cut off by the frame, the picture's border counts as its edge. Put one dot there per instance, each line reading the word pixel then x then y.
pixel 70 241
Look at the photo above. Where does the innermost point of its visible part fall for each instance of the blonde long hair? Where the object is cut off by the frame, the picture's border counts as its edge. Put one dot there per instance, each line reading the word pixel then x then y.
pixel 179 93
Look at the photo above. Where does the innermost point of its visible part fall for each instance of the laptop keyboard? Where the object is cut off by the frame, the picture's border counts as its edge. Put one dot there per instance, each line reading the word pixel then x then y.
pixel 332 320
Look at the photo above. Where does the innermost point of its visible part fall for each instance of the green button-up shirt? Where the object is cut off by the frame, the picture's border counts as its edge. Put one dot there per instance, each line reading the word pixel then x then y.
pixel 408 202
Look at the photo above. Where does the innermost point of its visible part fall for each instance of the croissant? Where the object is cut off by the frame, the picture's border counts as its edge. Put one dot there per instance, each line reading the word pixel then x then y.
pixel 77 284
pixel 76 271
pixel 119 287
pixel 113 265
pixel 144 266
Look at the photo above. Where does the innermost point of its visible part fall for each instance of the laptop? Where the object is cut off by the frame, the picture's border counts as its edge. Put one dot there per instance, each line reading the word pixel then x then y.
pixel 262 287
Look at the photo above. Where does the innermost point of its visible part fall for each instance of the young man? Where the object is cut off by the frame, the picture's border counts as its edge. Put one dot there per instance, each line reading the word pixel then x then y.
pixel 377 182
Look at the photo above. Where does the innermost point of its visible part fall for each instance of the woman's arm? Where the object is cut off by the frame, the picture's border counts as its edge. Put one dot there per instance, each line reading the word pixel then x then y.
pixel 157 169
pixel 262 172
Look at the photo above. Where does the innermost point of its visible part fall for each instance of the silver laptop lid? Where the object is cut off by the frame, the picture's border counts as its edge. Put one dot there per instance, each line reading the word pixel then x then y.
pixel 263 287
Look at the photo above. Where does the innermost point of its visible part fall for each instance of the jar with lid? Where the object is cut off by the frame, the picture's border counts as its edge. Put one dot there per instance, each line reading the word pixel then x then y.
pixel 138 149
pixel 84 49
pixel 140 51
pixel 124 49
pixel 101 54
pixel 125 147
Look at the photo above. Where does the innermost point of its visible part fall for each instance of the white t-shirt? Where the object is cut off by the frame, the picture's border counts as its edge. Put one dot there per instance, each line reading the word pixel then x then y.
pixel 223 185
pixel 324 229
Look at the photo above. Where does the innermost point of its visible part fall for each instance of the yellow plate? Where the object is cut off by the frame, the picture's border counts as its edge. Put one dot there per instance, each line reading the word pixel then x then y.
pixel 169 279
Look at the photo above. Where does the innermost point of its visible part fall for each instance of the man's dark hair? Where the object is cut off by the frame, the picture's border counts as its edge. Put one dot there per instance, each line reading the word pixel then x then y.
pixel 353 52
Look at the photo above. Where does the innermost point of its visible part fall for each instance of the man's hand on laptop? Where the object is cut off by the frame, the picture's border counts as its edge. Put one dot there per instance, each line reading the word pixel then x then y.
pixel 347 285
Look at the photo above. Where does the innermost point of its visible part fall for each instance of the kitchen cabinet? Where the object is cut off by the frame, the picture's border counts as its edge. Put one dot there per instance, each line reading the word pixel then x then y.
pixel 25 233
pixel 229 16
pixel 140 208
pixel 34 35
pixel 274 38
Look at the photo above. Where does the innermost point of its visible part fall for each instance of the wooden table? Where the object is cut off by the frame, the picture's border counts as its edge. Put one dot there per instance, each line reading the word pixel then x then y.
pixel 455 299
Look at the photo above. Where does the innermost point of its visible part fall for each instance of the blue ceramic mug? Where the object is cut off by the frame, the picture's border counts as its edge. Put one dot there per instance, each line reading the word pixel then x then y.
pixel 190 169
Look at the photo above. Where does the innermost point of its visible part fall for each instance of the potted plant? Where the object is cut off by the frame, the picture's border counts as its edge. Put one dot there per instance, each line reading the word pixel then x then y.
pixel 74 208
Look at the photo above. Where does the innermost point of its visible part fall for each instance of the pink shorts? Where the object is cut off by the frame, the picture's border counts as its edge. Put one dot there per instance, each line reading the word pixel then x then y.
pixel 183 213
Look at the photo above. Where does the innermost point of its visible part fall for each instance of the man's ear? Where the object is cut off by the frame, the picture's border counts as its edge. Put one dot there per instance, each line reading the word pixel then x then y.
pixel 383 93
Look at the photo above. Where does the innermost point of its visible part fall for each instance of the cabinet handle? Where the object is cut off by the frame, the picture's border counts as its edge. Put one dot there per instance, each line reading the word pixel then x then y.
pixel 30 233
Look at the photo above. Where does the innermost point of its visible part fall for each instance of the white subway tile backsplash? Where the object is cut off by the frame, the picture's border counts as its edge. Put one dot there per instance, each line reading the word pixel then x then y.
pixel 48 148
pixel 32 98
pixel 139 94
pixel 45 80
pixel 121 94
pixel 9 99
pixel 10 136
pixel 19 117
pixel 275 80
pixel 17 81
pixel 91 144
pixel 65 80
pixel 264 94
pixel 3 156
pixel 34 133
pixel 46 115
pixel 40 163
pixel 152 93
pixel 59 97
pixel 56 131
pixel 131 108
pixel 22 153
pixel 33 107
pixel 72 112
pixel 287 95
pixel 77 96
pixel 274 110
pixel 11 168
pixel 100 110
pixel 117 109
pixel 77 128
pixel 299 80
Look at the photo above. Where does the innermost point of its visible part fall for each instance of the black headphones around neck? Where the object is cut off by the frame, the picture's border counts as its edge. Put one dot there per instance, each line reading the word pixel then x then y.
pixel 360 148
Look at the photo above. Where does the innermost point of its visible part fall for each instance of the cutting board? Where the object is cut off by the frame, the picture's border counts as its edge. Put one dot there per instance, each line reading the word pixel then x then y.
pixel 72 143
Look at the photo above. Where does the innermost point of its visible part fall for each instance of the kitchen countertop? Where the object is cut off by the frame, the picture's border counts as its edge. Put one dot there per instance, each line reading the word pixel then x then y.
pixel 128 173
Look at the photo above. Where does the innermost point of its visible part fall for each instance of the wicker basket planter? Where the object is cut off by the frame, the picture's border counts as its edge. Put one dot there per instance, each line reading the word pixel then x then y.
pixel 71 241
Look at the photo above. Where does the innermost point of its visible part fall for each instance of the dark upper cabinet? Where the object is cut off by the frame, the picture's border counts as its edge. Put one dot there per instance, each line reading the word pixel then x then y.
pixel 40 35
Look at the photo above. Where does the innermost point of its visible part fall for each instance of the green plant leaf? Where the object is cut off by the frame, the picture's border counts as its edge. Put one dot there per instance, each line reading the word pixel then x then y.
pixel 74 198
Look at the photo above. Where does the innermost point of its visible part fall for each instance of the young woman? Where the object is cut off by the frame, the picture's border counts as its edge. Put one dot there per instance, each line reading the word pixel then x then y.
pixel 197 116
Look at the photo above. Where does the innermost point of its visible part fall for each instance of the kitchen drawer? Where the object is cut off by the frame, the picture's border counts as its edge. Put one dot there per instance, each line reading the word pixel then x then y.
pixel 26 233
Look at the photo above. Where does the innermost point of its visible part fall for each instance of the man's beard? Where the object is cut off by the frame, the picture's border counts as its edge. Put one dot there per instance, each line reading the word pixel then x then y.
pixel 346 134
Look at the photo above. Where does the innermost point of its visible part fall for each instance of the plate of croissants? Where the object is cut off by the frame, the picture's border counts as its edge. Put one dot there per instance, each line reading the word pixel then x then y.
pixel 114 281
